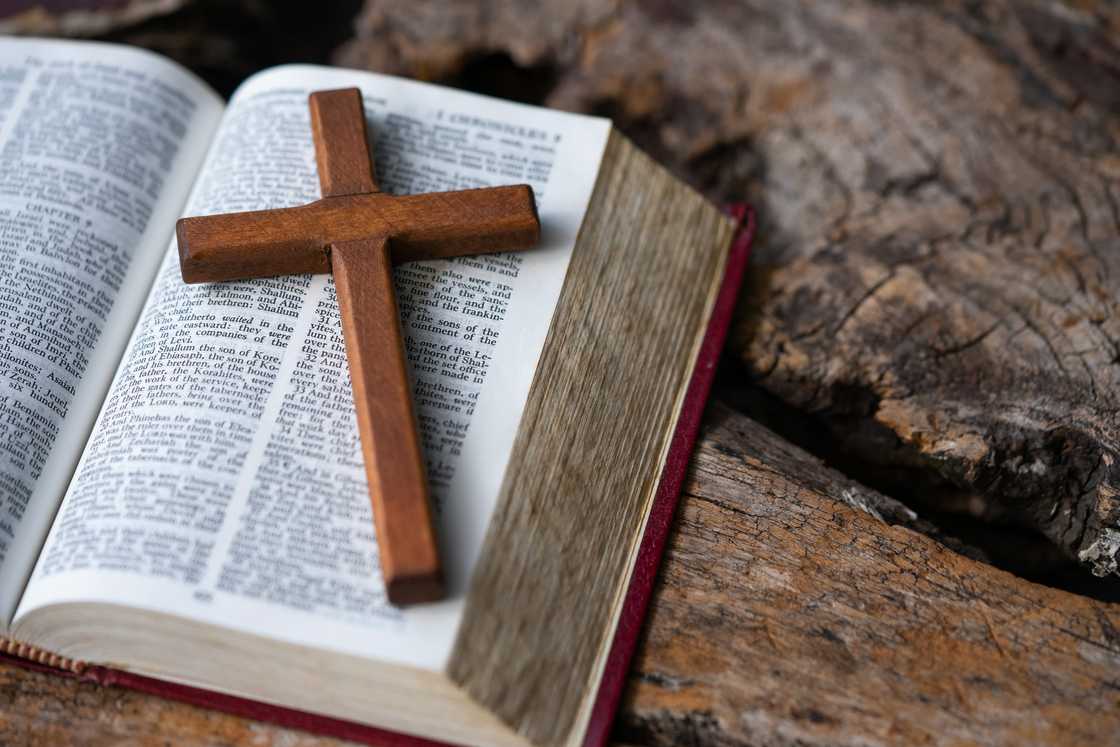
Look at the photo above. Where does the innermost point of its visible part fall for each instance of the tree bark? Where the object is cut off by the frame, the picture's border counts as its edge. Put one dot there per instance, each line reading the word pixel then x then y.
pixel 787 614
pixel 939 184
pixel 80 17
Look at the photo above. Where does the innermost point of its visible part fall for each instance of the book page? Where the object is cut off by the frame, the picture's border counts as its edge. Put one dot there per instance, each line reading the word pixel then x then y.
pixel 224 481
pixel 99 145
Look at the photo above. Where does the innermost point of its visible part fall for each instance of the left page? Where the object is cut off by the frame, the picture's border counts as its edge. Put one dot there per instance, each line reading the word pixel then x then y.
pixel 100 145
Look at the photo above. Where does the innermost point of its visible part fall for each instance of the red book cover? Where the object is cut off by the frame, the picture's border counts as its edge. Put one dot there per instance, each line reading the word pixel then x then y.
pixel 637 597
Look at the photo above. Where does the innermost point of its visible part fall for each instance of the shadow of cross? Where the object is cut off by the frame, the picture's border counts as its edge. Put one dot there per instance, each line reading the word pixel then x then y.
pixel 356 233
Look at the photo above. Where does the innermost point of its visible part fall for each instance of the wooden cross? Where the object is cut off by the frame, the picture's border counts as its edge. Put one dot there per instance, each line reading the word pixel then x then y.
pixel 356 233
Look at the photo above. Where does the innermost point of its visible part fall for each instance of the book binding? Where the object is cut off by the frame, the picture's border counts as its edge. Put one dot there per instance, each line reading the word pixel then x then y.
pixel 664 507
pixel 635 603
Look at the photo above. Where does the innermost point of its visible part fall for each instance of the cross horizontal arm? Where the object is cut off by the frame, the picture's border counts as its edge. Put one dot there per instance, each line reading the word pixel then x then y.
pixel 266 243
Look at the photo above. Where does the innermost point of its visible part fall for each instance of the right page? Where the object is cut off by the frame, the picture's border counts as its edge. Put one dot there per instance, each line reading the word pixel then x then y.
pixel 223 481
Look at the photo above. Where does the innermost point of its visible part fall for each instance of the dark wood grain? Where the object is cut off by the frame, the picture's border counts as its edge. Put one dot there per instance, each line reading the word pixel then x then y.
pixel 81 18
pixel 357 232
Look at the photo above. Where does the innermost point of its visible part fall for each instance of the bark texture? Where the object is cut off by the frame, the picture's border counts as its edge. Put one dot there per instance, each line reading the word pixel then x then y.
pixel 789 615
pixel 79 17
pixel 44 710
pixel 939 183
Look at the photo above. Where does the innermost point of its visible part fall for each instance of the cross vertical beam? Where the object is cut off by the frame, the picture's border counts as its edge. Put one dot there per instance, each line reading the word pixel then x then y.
pixel 394 459
pixel 367 305
pixel 338 129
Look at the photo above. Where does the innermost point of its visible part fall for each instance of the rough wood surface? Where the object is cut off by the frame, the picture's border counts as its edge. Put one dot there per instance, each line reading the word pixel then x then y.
pixel 939 184
pixel 79 17
pixel 44 710
pixel 786 614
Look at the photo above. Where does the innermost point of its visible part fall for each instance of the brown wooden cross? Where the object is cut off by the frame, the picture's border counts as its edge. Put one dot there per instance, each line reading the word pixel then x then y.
pixel 356 232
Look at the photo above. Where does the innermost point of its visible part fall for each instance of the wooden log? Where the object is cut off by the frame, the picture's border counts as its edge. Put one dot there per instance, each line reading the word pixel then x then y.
pixel 44 710
pixel 84 18
pixel 788 615
pixel 939 185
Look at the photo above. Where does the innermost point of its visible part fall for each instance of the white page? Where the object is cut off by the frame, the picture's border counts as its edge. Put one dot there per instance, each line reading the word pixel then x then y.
pixel 100 145
pixel 272 533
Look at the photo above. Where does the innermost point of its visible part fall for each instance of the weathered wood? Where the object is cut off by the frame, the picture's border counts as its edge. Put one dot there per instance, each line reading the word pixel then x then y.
pixel 786 615
pixel 352 231
pixel 44 710
pixel 939 187
pixel 80 17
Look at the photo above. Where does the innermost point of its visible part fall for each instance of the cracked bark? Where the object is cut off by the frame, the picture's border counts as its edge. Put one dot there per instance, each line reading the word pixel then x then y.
pixel 938 183
pixel 80 17
pixel 785 617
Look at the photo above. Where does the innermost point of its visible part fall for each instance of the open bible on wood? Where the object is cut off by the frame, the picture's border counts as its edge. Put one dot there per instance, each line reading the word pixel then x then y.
pixel 182 495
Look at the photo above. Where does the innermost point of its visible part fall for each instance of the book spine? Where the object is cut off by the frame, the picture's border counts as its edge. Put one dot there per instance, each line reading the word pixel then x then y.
pixel 41 656
pixel 664 507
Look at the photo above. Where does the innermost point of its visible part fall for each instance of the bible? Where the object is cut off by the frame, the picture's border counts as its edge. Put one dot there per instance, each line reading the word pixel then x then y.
pixel 184 505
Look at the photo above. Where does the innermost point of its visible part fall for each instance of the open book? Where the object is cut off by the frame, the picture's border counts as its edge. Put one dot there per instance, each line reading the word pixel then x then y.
pixel 181 485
